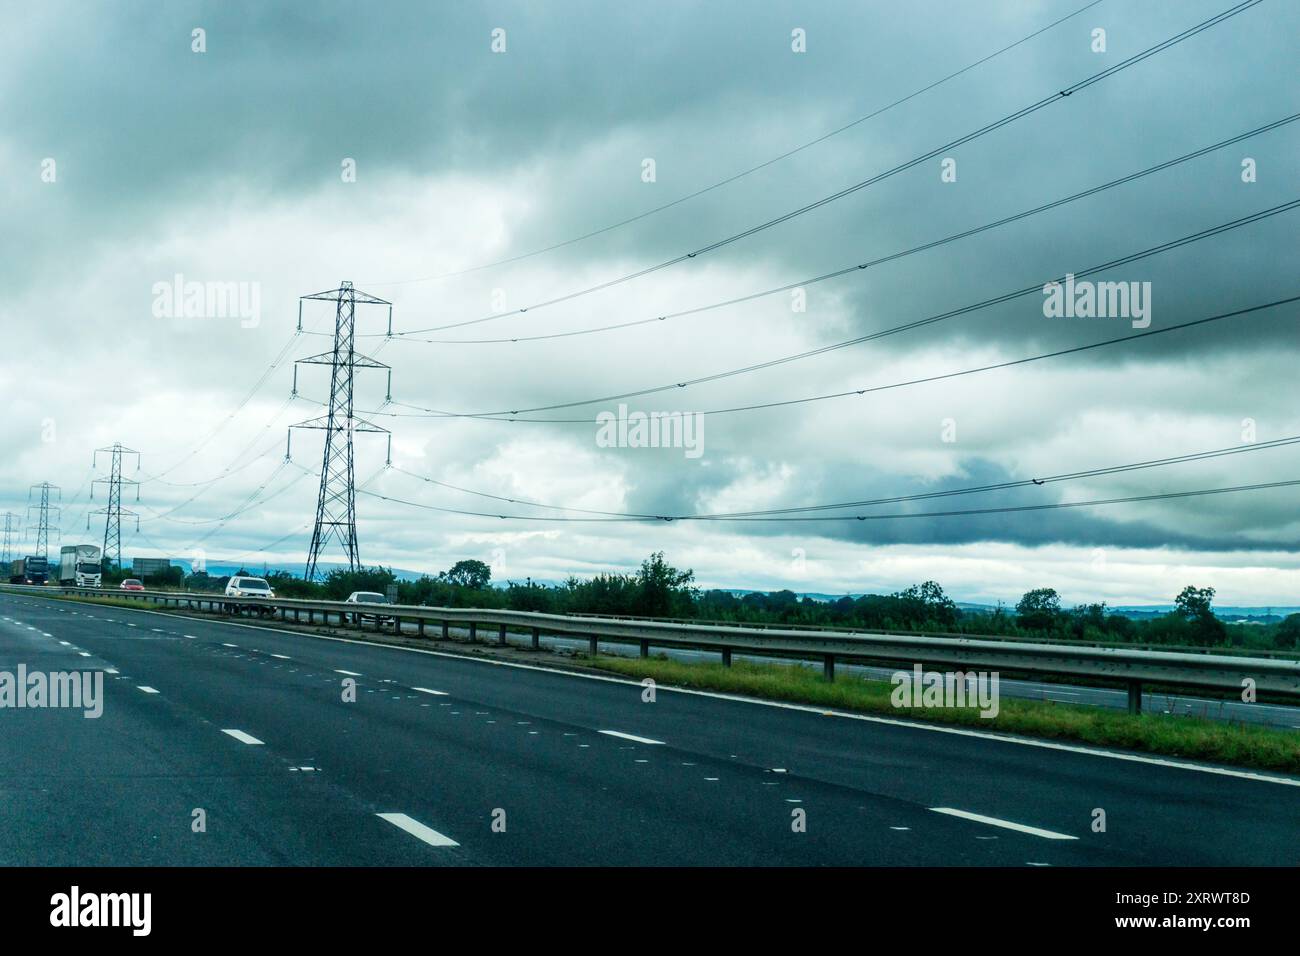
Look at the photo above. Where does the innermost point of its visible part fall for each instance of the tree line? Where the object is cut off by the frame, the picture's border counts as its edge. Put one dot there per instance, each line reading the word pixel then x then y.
pixel 657 589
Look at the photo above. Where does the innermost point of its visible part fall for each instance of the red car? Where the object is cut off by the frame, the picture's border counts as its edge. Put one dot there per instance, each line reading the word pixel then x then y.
pixel 131 584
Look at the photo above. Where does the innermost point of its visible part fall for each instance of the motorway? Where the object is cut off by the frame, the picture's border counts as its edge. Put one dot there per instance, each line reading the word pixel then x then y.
pixel 249 725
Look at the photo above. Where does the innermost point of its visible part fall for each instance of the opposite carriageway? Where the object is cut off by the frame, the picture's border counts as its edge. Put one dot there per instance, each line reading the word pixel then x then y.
pixel 1129 667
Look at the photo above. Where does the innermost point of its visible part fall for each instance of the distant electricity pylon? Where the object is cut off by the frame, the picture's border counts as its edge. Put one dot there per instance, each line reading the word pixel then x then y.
pixel 113 511
pixel 42 508
pixel 11 525
pixel 336 506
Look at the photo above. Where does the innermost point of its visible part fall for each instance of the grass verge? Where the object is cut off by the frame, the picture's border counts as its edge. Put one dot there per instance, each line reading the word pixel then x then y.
pixel 1242 745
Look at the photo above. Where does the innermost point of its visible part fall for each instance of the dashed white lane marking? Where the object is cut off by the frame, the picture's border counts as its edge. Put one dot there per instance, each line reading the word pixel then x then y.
pixel 44 634
pixel 130 625
pixel 283 657
pixel 191 637
pixel 83 653
pixel 65 643
pixel 111 670
pixel 417 829
pixel 242 737
pixel 348 673
pixel 1005 824
pixel 156 630
pixel 632 737
pixel 147 690
pixel 229 645
pixel 428 690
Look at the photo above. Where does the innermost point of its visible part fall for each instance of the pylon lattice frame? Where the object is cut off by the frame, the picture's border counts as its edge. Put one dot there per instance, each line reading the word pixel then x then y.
pixel 11 525
pixel 113 511
pixel 336 503
pixel 43 507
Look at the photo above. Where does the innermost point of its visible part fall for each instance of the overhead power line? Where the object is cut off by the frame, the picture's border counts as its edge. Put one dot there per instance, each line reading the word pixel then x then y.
pixel 1161 496
pixel 859 268
pixel 745 172
pixel 849 190
pixel 894 499
pixel 923 380
pixel 230 416
pixel 858 340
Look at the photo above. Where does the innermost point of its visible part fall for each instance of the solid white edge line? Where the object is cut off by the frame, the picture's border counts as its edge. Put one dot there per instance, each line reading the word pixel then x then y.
pixel 242 737
pixel 1005 824
pixel 640 740
pixel 783 705
pixel 147 690
pixel 417 829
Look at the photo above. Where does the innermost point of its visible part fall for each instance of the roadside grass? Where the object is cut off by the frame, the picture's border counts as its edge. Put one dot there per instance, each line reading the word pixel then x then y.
pixel 1242 745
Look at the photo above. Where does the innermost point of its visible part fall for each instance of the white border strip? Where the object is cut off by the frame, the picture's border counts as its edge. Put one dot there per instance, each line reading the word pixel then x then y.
pixel 417 829
pixel 1005 824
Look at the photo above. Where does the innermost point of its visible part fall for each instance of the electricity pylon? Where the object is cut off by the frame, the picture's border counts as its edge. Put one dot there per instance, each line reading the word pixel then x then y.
pixel 113 512
pixel 336 505
pixel 43 516
pixel 11 525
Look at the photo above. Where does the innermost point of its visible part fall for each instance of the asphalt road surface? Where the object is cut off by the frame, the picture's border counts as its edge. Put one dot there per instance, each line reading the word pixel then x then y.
pixel 444 760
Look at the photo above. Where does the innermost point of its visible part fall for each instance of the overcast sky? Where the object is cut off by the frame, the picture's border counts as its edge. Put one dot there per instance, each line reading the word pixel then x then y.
pixel 127 158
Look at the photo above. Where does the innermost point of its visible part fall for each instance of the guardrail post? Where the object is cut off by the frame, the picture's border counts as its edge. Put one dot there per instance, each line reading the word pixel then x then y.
pixel 828 666
pixel 420 626
pixel 537 638
pixel 593 646
pixel 1135 697
pixel 726 657
pixel 645 648
pixel 445 630
pixel 473 631
pixel 501 635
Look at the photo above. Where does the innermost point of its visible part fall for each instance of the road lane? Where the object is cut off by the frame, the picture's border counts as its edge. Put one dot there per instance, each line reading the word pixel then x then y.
pixel 530 743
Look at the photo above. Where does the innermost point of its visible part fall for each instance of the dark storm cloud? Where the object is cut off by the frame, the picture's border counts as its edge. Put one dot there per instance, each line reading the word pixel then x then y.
pixel 172 161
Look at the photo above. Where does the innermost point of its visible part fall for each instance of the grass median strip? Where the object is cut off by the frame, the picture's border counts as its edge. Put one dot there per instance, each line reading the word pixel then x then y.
pixel 1238 744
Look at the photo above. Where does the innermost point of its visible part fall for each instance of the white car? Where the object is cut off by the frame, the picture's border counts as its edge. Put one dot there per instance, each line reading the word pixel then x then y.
pixel 240 586
pixel 368 597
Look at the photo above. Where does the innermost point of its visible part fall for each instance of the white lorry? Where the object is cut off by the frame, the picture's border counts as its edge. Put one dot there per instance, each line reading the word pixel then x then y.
pixel 79 566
